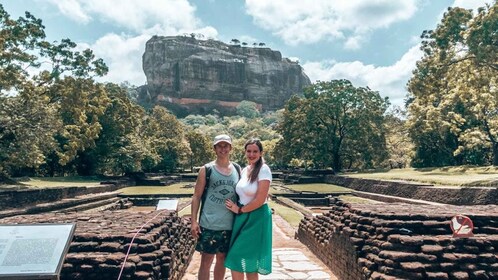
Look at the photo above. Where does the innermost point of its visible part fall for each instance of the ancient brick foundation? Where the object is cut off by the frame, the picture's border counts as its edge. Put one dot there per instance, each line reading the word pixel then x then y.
pixel 25 197
pixel 161 250
pixel 403 241
pixel 449 195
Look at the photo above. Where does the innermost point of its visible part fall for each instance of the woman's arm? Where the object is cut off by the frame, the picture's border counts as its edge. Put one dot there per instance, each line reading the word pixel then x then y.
pixel 259 199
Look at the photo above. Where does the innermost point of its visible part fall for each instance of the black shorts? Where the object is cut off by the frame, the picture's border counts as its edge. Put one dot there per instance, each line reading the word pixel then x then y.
pixel 213 241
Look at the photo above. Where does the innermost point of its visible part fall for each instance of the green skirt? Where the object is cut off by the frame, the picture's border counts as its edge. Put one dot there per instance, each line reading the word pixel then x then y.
pixel 250 245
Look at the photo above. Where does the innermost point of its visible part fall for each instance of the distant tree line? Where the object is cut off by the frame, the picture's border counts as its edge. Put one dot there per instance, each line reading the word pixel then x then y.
pixel 55 119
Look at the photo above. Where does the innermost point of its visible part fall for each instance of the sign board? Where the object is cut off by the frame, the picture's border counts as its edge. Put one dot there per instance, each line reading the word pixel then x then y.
pixel 167 204
pixel 462 226
pixel 33 251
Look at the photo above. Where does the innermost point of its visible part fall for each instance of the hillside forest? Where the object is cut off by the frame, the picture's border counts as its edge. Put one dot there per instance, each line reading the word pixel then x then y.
pixel 56 119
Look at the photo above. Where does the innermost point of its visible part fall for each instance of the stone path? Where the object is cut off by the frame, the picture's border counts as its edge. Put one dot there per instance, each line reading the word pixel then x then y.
pixel 291 259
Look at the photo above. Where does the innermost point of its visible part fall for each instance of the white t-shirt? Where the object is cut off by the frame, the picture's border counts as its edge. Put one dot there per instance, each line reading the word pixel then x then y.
pixel 247 190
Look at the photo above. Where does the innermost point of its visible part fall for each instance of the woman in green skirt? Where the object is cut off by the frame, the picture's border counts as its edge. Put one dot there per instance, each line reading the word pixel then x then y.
pixel 250 244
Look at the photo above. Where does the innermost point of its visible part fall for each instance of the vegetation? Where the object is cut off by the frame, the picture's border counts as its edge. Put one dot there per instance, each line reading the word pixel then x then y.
pixel 453 92
pixel 56 120
pixel 292 216
pixel 335 124
pixel 448 176
pixel 319 188
pixel 357 200
pixel 68 181
pixel 178 188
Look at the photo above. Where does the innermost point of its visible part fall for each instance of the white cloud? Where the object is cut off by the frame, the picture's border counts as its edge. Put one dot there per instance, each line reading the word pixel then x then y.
pixel 309 21
pixel 390 80
pixel 122 55
pixel 133 15
pixel 141 20
pixel 471 4
pixel 72 9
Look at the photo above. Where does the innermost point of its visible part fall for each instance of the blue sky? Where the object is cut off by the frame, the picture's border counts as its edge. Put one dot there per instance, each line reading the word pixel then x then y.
pixel 372 43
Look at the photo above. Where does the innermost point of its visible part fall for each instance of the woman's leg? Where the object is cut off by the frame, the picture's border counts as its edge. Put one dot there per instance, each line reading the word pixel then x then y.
pixel 252 276
pixel 237 275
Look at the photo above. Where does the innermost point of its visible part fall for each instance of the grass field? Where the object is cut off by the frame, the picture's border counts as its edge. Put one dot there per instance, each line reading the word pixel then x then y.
pixel 178 188
pixel 69 181
pixel 292 216
pixel 448 176
pixel 318 187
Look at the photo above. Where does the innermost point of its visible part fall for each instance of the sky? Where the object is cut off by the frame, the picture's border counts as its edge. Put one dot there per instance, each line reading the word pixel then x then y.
pixel 372 43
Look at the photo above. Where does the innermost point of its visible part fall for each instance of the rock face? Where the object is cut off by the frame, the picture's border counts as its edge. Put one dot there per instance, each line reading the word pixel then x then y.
pixel 196 76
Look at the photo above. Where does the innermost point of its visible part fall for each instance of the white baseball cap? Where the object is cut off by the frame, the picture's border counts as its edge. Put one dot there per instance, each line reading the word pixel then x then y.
pixel 222 138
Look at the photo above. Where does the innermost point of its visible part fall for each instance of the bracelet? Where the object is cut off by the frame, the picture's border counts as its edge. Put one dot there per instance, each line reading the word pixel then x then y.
pixel 240 210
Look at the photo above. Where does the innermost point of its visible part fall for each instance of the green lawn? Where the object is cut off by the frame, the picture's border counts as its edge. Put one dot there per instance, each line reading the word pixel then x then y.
pixel 292 216
pixel 357 200
pixel 450 176
pixel 178 188
pixel 318 187
pixel 70 181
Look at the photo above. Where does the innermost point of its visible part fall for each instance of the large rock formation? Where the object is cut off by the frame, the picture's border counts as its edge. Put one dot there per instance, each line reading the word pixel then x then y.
pixel 196 76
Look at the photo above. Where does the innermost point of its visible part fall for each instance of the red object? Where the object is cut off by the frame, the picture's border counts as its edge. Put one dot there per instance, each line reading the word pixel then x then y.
pixel 462 226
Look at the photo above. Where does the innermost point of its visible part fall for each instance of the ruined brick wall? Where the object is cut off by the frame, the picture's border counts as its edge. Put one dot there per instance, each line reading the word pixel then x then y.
pixel 162 249
pixel 403 241
pixel 25 197
pixel 449 195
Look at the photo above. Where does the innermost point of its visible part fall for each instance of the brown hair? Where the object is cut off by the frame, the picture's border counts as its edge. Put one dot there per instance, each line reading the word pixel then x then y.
pixel 253 175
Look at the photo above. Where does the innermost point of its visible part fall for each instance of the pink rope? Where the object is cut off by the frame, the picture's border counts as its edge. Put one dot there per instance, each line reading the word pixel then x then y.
pixel 133 239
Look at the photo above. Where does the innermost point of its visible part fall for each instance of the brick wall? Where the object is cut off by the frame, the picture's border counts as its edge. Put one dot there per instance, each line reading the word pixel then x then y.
pixel 403 241
pixel 162 249
pixel 25 197
pixel 450 195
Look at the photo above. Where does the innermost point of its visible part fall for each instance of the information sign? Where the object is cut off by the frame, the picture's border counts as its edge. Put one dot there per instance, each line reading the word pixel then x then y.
pixel 167 204
pixel 33 251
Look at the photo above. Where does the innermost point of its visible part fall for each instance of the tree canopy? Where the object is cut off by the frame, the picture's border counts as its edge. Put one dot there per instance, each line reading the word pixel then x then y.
pixel 453 94
pixel 335 125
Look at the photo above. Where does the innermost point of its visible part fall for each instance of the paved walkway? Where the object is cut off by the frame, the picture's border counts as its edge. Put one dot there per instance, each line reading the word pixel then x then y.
pixel 291 259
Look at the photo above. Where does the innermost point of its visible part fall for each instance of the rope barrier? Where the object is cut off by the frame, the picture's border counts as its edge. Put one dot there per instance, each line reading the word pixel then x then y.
pixel 131 243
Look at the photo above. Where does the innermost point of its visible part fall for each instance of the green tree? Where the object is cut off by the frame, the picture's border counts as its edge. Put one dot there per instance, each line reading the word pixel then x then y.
pixel 167 136
pixel 398 142
pixel 27 93
pixel 120 147
pixel 333 119
pixel 28 124
pixel 453 93
pixel 201 148
pixel 81 103
pixel 248 109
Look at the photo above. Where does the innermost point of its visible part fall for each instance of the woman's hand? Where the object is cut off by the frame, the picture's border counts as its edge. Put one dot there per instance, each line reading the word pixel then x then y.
pixel 231 206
